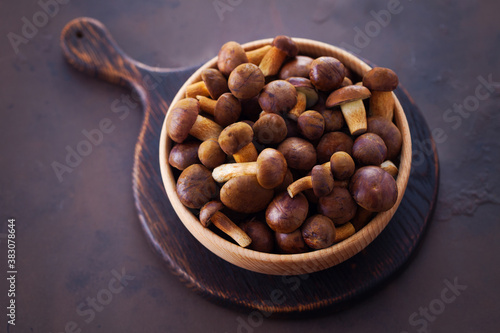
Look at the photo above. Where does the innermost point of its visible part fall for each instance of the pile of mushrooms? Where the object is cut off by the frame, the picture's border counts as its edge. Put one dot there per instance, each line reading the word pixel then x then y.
pixel 284 153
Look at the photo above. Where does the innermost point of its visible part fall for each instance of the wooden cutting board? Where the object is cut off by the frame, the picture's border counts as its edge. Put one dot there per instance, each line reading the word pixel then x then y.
pixel 89 47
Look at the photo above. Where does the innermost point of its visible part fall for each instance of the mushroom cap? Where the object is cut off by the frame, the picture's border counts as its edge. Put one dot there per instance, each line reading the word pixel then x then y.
pixel 369 149
pixel 271 168
pixel 195 186
pixel 299 153
pixel 331 143
pixel 227 110
pixel 234 137
pixel 208 210
pixel 311 124
pixel 246 81
pixel 261 235
pixel 286 214
pixel 339 206
pixel 278 96
pixel 380 79
pixel 215 82
pixel 342 165
pixel 286 44
pixel 322 180
pixel 291 242
pixel 296 67
pixel 270 128
pixel 244 194
pixel 230 56
pixel 181 118
pixel 210 154
pixel 184 154
pixel 334 120
pixel 374 189
pixel 318 232
pixel 347 94
pixel 327 73
pixel 389 132
pixel 305 86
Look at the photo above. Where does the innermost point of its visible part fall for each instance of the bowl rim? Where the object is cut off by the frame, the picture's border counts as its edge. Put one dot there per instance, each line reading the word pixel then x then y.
pixel 287 264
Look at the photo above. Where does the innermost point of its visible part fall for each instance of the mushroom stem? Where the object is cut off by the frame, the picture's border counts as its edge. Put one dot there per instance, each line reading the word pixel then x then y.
pixel 299 107
pixel 198 88
pixel 255 56
pixel 227 226
pixel 225 172
pixel 355 116
pixel 204 129
pixel 344 231
pixel 207 104
pixel 246 154
pixel 382 104
pixel 390 168
pixel 361 218
pixel 272 61
pixel 300 185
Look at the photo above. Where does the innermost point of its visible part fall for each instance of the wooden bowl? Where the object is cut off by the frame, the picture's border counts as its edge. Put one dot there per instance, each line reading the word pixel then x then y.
pixel 288 264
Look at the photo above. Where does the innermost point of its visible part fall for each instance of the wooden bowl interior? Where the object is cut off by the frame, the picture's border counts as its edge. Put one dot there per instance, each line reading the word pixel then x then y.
pixel 288 264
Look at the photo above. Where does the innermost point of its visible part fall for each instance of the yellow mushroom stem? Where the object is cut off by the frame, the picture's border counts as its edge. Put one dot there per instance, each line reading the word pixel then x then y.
pixel 299 107
pixel 302 184
pixel 204 129
pixel 344 231
pixel 382 104
pixel 255 56
pixel 355 116
pixel 272 61
pixel 227 226
pixel 207 104
pixel 390 168
pixel 246 154
pixel 195 89
pixel 225 172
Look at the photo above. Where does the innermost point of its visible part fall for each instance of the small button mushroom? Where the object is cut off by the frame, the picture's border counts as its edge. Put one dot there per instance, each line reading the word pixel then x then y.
pixel 261 235
pixel 243 194
pixel 350 99
pixel 318 232
pixel 342 165
pixel 299 153
pixel 183 119
pixel 278 96
pixel 334 120
pixel 390 168
pixel 331 143
pixel 327 73
pixel 381 82
pixel 213 84
pixel 210 154
pixel 369 149
pixel 195 186
pixel 282 47
pixel 270 169
pixel 285 214
pixel 311 125
pixel 236 139
pixel 307 96
pixel 270 128
pixel 226 110
pixel 246 81
pixel 255 56
pixel 344 231
pixel 339 206
pixel 291 243
pixel 389 133
pixel 320 180
pixel 183 155
pixel 374 189
pixel 300 66
pixel 210 212
pixel 230 56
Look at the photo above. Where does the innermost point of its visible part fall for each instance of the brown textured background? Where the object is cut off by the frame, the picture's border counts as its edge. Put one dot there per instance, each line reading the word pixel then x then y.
pixel 72 234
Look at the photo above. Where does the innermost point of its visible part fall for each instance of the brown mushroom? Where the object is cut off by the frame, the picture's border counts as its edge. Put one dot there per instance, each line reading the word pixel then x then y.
pixel 282 47
pixel 183 155
pixel 195 186
pixel 210 154
pixel 246 81
pixel 307 96
pixel 230 56
pixel 255 56
pixel 327 73
pixel 350 99
pixel 390 168
pixel 299 153
pixel 339 206
pixel 318 232
pixel 311 124
pixel 369 149
pixel 236 139
pixel 331 143
pixel 286 182
pixel 291 243
pixel 285 214
pixel 334 120
pixel 374 189
pixel 210 212
pixel 278 96
pixel 261 235
pixel 342 165
pixel 296 67
pixel 244 194
pixel 320 180
pixel 213 84
pixel 183 119
pixel 388 132
pixel 346 82
pixel 270 169
pixel 381 82
pixel 270 128
pixel 226 110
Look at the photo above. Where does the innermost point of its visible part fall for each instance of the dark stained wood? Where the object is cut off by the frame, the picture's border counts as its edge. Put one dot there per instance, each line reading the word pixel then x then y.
pixel 89 47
